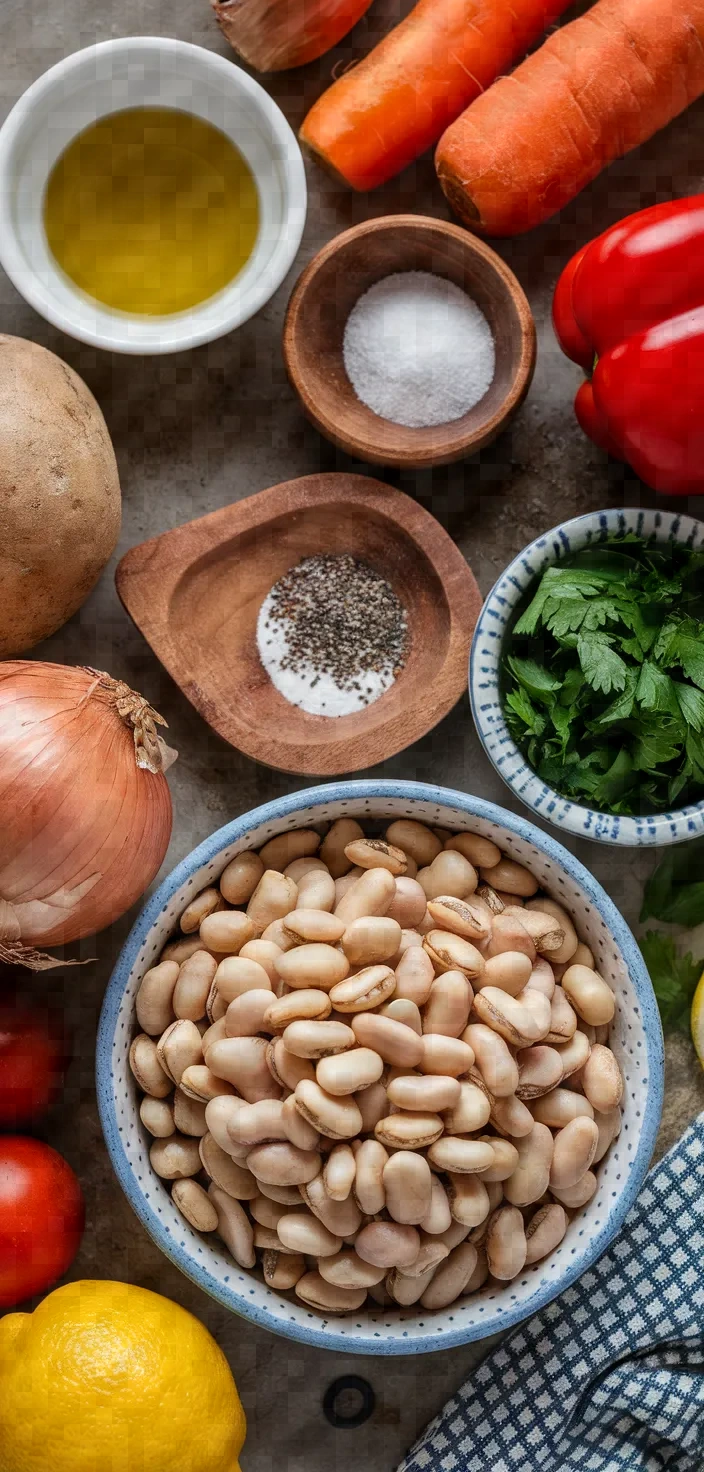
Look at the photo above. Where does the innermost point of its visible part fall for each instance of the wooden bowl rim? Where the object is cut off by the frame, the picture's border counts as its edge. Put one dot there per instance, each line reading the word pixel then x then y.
pixel 149 574
pixel 416 448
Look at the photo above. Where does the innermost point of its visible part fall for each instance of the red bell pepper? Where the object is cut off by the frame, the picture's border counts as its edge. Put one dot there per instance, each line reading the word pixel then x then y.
pixel 633 300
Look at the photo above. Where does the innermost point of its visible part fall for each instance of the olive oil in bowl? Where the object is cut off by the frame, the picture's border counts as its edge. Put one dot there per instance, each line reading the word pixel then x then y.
pixel 151 211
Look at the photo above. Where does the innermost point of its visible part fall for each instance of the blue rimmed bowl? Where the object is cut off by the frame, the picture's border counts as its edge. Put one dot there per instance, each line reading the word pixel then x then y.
pixel 485 660
pixel 636 1040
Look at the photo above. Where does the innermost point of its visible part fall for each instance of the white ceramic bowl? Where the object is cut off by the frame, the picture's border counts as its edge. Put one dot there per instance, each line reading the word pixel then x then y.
pixel 496 617
pixel 636 1039
pixel 146 71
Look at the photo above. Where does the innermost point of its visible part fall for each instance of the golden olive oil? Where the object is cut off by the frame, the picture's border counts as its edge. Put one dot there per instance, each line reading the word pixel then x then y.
pixel 151 211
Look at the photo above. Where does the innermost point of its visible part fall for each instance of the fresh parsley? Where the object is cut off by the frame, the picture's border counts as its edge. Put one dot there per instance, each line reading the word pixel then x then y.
pixel 675 890
pixel 603 680
pixel 674 978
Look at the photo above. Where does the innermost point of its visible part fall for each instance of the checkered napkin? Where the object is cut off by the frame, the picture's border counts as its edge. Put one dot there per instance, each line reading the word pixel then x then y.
pixel 609 1377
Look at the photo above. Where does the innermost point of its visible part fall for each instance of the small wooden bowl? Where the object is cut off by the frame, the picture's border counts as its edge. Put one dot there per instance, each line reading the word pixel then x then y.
pixel 323 298
pixel 195 593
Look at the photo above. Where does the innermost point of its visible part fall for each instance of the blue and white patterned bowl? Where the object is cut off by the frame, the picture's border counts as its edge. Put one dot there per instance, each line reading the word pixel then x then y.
pixel 485 664
pixel 636 1040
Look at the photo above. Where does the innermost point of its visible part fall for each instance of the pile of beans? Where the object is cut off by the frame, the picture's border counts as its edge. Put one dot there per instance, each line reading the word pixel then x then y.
pixel 378 1065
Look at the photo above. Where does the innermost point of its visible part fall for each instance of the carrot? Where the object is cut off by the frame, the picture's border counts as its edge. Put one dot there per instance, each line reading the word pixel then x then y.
pixel 385 112
pixel 594 90
pixel 273 35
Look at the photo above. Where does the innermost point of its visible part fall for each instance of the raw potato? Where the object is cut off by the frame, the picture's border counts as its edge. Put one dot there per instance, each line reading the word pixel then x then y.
pixel 59 494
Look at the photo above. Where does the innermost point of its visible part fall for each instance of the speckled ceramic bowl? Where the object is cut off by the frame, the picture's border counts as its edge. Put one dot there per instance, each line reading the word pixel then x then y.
pixel 636 1039
pixel 485 664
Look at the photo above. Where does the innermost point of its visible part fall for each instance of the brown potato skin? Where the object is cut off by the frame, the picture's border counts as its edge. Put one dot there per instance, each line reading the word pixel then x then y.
pixel 59 494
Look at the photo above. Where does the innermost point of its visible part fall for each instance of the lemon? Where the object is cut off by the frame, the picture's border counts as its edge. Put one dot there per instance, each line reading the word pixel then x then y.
pixel 696 1019
pixel 105 1377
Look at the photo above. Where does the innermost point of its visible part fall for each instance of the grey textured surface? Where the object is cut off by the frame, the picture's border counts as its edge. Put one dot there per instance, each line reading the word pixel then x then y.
pixel 192 433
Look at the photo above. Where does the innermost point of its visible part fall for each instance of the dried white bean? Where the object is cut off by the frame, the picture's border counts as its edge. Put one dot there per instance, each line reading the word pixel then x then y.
pixel 318 1039
pixel 415 975
pixel 328 1298
pixel 338 1118
pixel 589 994
pixel 545 1232
pixel 407 1184
pixel 145 1065
pixel 226 932
pixel 449 1057
pixel 242 1061
pixel 511 877
pixel 450 873
pixel 248 1014
pixel 347 1073
pixel 510 972
pixel 450 952
pixel 388 1244
pixel 194 1204
pixel 339 1172
pixel 530 1179
pixel 393 1041
pixel 154 1005
pixel 409 1131
pixel 540 1070
pixel 234 1227
pixel 601 1079
pixel 408 904
pixel 575 1148
pixel 239 880
pixel 287 1069
pixel 414 839
pixel 450 1278
pixel 157 1116
pixel 480 851
pixel 332 848
pixel 313 965
pixel 175 1158
pixel 505 1244
pixel 495 1062
pixel 424 1093
pixel 371 894
pixel 573 1197
pixel 367 989
pixel 306 1005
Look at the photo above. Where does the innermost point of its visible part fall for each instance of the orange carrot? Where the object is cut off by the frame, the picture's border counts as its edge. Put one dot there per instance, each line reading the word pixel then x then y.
pixel 385 112
pixel 273 35
pixel 594 90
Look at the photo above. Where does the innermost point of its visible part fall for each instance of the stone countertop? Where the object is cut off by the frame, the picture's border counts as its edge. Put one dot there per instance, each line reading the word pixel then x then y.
pixel 195 431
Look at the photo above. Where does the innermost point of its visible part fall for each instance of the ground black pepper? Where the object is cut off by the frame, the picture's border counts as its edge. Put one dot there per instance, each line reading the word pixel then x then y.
pixel 342 619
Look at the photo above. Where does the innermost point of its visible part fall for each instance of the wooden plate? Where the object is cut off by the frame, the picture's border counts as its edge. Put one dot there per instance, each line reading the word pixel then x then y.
pixel 195 593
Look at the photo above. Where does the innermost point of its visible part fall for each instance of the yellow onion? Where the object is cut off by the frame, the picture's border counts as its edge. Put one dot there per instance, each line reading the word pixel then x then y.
pixel 85 808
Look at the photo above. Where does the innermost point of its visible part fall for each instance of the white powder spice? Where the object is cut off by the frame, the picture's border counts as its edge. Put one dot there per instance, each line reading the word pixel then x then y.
pixel 417 350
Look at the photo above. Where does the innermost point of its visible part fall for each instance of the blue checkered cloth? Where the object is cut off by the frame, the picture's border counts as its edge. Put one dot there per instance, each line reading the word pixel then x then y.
pixel 609 1377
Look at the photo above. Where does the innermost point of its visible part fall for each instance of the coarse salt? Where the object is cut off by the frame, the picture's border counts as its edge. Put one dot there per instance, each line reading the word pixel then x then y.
pixel 417 350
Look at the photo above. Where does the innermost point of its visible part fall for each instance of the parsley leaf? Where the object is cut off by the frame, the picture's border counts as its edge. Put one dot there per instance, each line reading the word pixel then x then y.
pixel 601 665
pixel 675 890
pixel 655 689
pixel 689 653
pixel 674 978
pixel 588 684
pixel 533 676
pixel 691 704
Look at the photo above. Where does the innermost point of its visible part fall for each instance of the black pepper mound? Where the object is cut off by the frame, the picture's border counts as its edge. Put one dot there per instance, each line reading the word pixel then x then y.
pixel 342 617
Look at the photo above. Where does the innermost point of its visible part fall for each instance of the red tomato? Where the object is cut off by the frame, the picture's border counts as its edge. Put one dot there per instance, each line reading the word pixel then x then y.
pixel 41 1218
pixel 33 1057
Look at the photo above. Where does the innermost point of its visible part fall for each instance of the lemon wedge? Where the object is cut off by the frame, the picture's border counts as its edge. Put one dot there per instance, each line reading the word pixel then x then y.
pixel 696 1019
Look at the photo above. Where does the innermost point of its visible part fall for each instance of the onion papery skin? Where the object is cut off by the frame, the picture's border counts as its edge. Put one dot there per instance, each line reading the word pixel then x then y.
pixel 84 829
